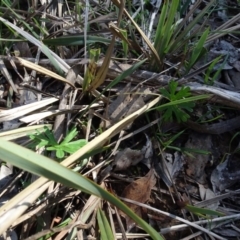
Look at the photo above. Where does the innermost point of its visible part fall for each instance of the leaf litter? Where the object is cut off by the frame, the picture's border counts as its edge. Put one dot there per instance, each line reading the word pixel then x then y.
pixel 139 191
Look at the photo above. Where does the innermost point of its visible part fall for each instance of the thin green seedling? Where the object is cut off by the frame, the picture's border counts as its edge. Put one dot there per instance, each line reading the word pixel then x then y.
pixel 76 40
pixel 188 151
pixel 212 119
pixel 182 34
pixel 123 75
pixel 207 79
pixel 203 212
pixel 165 30
pixel 167 144
pixel 46 139
pixel 38 24
pixel 91 68
pixel 60 225
pixel 198 51
pixel 225 157
pixel 124 43
pixel 176 102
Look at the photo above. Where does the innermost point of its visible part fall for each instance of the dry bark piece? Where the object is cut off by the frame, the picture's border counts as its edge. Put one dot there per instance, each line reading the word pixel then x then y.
pixel 139 191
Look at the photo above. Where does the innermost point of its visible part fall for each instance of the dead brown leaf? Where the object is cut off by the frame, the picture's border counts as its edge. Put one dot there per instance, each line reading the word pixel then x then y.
pixel 138 191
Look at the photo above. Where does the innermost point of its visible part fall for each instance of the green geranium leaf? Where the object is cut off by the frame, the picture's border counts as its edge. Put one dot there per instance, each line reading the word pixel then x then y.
pixel 60 153
pixel 178 111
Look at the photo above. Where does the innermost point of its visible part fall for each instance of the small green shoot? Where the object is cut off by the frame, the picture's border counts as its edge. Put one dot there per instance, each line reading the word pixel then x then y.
pixel 124 43
pixel 178 110
pixel 165 29
pixel 46 139
pixel 167 144
pixel 210 80
pixel 91 69
pixel 198 51
pixel 203 212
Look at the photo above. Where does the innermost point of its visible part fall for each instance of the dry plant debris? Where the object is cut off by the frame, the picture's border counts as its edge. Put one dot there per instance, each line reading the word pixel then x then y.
pixel 139 190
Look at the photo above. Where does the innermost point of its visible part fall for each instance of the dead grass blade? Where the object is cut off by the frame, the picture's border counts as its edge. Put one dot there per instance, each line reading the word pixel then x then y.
pixel 21 132
pixel 57 62
pixel 6 115
pixel 43 70
pixel 153 50
pixel 102 72
pixel 7 75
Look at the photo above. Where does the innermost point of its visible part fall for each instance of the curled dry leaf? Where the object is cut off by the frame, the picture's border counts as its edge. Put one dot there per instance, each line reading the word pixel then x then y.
pixel 138 191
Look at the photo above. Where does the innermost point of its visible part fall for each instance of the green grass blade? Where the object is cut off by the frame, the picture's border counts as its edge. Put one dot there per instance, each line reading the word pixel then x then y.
pixel 124 43
pixel 104 226
pixel 189 99
pixel 215 76
pixel 210 68
pixel 160 28
pixel 198 49
pixel 203 211
pixel 124 74
pixel 179 36
pixel 43 166
pixel 165 29
pixel 75 40
pixel 51 56
pixel 169 28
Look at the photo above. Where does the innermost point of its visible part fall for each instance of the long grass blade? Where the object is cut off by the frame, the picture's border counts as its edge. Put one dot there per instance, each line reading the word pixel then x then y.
pixel 75 40
pixel 33 191
pixel 48 168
